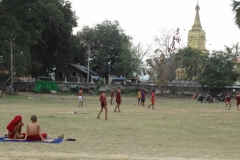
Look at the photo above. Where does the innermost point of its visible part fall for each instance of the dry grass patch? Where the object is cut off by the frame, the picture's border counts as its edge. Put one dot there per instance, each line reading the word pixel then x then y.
pixel 176 129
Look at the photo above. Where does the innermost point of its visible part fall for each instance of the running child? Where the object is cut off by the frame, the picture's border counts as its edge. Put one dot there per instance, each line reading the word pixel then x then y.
pixel 152 99
pixel 228 100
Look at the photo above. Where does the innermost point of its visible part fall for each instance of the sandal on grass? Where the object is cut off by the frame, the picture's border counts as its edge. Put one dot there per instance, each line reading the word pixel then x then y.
pixel 70 139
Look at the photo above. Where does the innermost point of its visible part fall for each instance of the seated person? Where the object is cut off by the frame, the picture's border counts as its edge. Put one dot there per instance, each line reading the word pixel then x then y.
pixel 34 130
pixel 15 127
pixel 90 92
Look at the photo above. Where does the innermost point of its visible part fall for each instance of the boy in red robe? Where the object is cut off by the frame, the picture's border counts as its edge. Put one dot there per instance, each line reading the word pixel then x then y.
pixel 118 99
pixel 237 97
pixel 152 99
pixel 228 100
pixel 15 128
pixel 103 101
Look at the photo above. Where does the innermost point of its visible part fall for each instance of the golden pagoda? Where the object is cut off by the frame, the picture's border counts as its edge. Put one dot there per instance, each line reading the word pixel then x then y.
pixel 196 39
pixel 197 36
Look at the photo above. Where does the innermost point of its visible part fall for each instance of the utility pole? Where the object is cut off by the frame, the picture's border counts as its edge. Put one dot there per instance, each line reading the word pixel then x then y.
pixel 88 63
pixel 11 68
pixel 137 65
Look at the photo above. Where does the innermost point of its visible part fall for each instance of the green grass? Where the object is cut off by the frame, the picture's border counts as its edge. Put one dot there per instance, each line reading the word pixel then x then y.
pixel 176 129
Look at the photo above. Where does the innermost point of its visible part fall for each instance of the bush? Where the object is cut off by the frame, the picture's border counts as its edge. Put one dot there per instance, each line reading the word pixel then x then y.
pixel 102 81
pixel 129 92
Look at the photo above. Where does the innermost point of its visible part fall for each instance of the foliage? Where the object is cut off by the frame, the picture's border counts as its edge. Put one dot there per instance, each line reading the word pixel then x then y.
pixel 102 81
pixel 236 10
pixel 160 64
pixel 128 92
pixel 127 63
pixel 219 70
pixel 163 41
pixel 109 46
pixel 158 69
pixel 41 32
pixel 191 60
pixel 140 52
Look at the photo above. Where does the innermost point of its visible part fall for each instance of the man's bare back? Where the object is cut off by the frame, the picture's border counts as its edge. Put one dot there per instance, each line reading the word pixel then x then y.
pixel 33 129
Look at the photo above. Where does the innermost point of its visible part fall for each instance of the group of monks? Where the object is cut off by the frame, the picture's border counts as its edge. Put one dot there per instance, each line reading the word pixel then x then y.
pixel 103 101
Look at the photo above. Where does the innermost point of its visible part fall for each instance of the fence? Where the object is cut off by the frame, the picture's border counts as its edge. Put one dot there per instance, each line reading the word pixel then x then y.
pixel 171 89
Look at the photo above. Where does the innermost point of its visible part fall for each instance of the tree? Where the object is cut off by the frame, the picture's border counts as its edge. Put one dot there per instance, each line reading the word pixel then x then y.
pixel 220 69
pixel 140 53
pixel 191 60
pixel 11 32
pixel 158 69
pixel 161 63
pixel 167 43
pixel 109 46
pixel 57 45
pixel 128 61
pixel 236 10
pixel 41 33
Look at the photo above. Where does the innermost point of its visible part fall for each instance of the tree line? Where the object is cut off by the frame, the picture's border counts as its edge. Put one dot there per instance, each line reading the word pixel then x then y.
pixel 41 34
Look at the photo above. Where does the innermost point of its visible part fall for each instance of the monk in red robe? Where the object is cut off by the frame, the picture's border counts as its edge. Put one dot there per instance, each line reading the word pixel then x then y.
pixel 237 97
pixel 15 128
pixel 118 99
pixel 103 101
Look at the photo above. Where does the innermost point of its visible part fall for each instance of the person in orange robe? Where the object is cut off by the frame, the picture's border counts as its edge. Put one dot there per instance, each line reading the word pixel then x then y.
pixel 152 99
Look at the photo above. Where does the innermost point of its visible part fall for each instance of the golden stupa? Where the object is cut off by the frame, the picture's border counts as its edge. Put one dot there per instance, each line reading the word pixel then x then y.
pixel 197 36
pixel 196 39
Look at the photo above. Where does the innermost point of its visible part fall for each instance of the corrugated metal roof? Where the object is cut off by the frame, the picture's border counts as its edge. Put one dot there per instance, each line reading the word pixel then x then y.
pixel 83 69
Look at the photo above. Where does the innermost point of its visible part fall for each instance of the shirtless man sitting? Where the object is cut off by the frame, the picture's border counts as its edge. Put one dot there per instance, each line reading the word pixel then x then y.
pixel 34 130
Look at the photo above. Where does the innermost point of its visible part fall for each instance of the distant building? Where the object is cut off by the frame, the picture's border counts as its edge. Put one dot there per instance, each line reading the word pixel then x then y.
pixel 76 73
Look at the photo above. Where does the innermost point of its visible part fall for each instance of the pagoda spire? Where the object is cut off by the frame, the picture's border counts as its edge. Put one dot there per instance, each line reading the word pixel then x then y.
pixel 197 8
pixel 197 36
pixel 197 22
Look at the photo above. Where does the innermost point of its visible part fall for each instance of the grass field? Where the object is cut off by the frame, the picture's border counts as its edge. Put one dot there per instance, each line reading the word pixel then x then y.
pixel 176 129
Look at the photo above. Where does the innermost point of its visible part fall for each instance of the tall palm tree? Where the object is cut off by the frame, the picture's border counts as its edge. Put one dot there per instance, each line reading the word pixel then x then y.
pixel 236 10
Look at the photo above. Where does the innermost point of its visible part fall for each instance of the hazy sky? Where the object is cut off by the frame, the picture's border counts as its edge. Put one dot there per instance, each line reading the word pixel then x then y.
pixel 142 19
